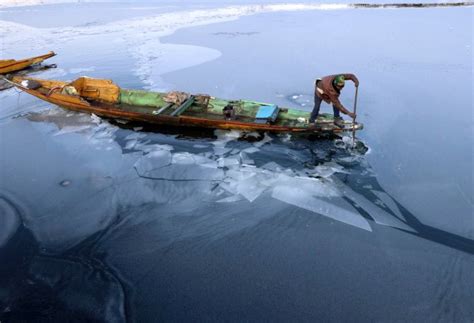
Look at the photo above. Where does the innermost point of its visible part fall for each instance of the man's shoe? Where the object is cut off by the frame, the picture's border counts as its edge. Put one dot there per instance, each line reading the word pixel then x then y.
pixel 314 126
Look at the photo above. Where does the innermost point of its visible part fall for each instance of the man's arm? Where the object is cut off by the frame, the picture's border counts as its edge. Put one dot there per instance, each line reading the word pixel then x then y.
pixel 353 78
pixel 336 103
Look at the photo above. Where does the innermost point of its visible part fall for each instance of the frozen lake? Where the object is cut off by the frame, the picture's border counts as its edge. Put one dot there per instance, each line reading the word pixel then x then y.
pixel 111 222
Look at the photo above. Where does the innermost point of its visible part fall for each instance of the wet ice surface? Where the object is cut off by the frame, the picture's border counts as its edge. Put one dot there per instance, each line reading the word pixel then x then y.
pixel 115 222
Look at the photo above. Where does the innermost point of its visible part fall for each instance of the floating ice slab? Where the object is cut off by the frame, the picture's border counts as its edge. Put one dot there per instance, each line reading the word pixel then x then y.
pixel 150 164
pixel 72 129
pixel 274 167
pixel 147 148
pixel 230 199
pixel 251 150
pixel 162 164
pixel 378 214
pixel 389 202
pixel 228 162
pixel 326 170
pixel 304 199
pixel 262 142
pixel 135 135
pixel 131 143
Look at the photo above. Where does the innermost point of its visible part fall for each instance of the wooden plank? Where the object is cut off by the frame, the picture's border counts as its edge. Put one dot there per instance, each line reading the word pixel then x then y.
pixel 186 104
pixel 166 106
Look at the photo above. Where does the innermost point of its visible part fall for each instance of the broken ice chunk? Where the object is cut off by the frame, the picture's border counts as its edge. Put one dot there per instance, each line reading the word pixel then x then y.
pixel 183 158
pixel 230 199
pixel 389 202
pixel 72 129
pixel 130 144
pixel 378 214
pixel 135 135
pixel 228 162
pixel 262 142
pixel 152 161
pixel 143 146
pixel 274 167
pixel 303 199
pixel 328 169
pixel 251 150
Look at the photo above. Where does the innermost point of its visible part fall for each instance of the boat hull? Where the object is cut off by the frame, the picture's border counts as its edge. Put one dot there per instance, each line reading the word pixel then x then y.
pixel 10 66
pixel 123 112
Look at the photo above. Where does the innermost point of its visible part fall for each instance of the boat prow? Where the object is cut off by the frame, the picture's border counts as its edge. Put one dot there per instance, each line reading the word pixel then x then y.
pixel 12 65
pixel 106 99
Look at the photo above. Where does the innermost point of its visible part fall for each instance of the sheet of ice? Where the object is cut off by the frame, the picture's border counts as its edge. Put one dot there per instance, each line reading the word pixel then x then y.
pixel 135 135
pixel 90 173
pixel 378 214
pixel 200 146
pixel 131 143
pixel 272 166
pixel 244 181
pixel 72 129
pixel 223 137
pixel 262 142
pixel 230 199
pixel 142 36
pixel 163 164
pixel 153 161
pixel 156 59
pixel 96 119
pixel 147 148
pixel 9 221
pixel 228 162
pixel 304 199
pixel 79 70
pixel 245 159
pixel 389 202
pixel 327 170
pixel 251 150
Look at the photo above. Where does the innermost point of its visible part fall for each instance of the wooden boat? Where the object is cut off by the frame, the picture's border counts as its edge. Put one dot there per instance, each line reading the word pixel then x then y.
pixel 11 65
pixel 105 99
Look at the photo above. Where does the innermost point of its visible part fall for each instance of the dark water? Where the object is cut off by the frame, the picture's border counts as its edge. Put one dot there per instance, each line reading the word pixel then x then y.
pixel 109 222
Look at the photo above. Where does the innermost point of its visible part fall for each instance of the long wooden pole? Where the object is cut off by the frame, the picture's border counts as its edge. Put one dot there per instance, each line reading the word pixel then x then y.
pixel 354 119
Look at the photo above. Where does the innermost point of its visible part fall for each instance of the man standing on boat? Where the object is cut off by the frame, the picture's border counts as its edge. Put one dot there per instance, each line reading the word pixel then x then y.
pixel 328 89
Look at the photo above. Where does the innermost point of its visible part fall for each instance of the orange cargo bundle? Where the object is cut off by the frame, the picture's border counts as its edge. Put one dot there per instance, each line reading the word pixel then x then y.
pixel 96 89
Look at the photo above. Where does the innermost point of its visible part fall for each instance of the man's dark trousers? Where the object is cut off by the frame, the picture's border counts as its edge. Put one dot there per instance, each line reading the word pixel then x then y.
pixel 317 106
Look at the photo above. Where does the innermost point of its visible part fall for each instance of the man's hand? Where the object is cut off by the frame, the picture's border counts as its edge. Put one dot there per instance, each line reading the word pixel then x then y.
pixel 356 82
pixel 352 115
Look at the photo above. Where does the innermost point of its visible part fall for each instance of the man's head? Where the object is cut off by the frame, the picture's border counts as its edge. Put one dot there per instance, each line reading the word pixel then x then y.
pixel 339 81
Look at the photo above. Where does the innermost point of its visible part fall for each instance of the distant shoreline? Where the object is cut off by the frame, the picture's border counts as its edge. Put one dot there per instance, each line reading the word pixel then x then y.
pixel 24 3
